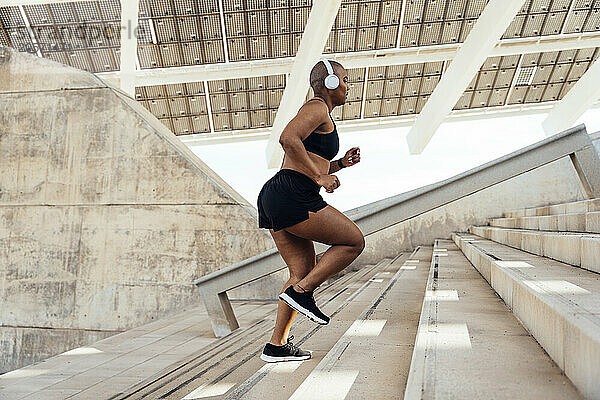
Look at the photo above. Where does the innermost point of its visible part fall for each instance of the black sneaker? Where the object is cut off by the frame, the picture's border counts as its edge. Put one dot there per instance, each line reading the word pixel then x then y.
pixel 305 304
pixel 287 352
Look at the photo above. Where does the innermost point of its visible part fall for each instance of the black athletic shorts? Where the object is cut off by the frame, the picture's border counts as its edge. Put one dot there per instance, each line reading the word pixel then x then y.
pixel 286 199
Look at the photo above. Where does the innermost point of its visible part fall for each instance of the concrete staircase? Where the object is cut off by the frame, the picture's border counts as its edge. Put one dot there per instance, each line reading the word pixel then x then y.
pixel 550 281
pixel 367 329
pixel 565 232
pixel 470 346
pixel 500 312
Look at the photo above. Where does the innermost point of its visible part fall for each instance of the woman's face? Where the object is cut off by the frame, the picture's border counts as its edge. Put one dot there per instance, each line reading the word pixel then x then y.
pixel 341 92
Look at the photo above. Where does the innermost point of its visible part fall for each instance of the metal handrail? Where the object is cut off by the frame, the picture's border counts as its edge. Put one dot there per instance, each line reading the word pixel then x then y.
pixel 379 215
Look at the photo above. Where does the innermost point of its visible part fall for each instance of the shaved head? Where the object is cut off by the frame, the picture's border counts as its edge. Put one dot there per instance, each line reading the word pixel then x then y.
pixel 319 72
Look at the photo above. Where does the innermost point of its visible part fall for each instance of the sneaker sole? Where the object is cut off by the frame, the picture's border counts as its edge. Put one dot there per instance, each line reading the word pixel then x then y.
pixel 272 359
pixel 290 302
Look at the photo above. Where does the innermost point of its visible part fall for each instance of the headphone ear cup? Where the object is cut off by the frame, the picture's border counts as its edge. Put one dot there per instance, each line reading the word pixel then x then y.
pixel 332 82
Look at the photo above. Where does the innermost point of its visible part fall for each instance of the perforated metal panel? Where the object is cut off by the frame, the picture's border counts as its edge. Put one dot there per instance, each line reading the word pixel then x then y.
pixel 263 29
pixel 181 107
pixel 527 74
pixel 84 33
pixel 464 102
pixel 350 110
pixel 177 33
pixel 389 107
pixel 490 86
pixel 236 103
pixel 12 30
pixel 497 97
pixel 180 33
pixel 192 53
pixel 554 74
pixel 11 17
pixel 4 38
pixel 421 100
pixel 79 59
pixel 57 56
pixel 182 125
pixel 400 89
pixel 539 17
pixel 433 22
pixel 365 25
pixel 584 17
pixel 103 60
pixel 17 38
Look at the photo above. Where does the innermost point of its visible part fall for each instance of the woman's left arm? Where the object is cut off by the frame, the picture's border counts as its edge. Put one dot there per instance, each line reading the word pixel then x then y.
pixel 351 158
pixel 334 166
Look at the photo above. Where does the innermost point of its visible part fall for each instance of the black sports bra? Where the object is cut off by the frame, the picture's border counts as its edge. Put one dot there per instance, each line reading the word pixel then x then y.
pixel 325 145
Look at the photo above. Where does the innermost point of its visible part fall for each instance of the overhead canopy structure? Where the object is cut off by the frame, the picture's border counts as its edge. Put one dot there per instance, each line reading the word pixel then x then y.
pixel 580 98
pixel 129 9
pixel 216 70
pixel 481 40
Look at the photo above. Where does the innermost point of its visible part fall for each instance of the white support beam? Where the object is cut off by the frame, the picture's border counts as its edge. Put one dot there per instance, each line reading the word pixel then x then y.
pixel 361 59
pixel 129 28
pixel 30 32
pixel 367 125
pixel 152 31
pixel 514 80
pixel 577 101
pixel 321 19
pixel 401 26
pixel 206 72
pixel 491 24
pixel 363 103
pixel 209 107
pixel 223 31
pixel 569 13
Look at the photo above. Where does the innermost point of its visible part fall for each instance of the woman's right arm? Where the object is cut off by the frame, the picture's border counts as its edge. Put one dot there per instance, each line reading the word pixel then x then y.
pixel 309 117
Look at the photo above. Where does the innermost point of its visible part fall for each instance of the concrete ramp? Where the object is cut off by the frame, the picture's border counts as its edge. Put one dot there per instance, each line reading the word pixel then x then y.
pixel 106 218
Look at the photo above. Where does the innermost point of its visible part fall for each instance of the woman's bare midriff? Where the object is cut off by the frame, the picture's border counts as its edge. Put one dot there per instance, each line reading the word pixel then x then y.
pixel 321 163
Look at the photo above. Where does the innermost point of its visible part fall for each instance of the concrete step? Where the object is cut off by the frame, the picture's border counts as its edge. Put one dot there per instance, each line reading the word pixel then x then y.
pixel 556 303
pixel 125 360
pixel 121 360
pixel 372 358
pixel 578 249
pixel 578 222
pixel 217 374
pixel 470 346
pixel 575 207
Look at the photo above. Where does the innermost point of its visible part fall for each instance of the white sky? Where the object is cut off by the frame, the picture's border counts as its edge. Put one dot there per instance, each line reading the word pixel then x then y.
pixel 386 167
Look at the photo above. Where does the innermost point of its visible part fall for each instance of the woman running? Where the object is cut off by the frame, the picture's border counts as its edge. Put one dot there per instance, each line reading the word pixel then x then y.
pixel 290 206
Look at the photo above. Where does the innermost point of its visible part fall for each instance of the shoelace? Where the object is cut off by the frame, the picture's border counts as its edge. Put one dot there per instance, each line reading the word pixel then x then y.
pixel 291 346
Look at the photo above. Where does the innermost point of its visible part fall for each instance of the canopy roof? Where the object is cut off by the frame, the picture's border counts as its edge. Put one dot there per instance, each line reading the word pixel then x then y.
pixel 219 68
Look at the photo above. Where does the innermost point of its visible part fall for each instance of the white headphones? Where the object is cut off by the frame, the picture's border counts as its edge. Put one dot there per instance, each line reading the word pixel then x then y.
pixel 331 80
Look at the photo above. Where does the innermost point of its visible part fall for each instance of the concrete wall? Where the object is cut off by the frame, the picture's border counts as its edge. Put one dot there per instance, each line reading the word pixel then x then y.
pixel 596 140
pixel 106 218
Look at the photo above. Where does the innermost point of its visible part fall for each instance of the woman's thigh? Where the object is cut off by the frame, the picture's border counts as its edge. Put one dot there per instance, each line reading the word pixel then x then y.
pixel 328 226
pixel 298 253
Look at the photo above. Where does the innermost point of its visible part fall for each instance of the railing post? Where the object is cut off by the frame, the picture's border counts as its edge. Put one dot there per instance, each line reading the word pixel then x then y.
pixel 587 166
pixel 219 311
